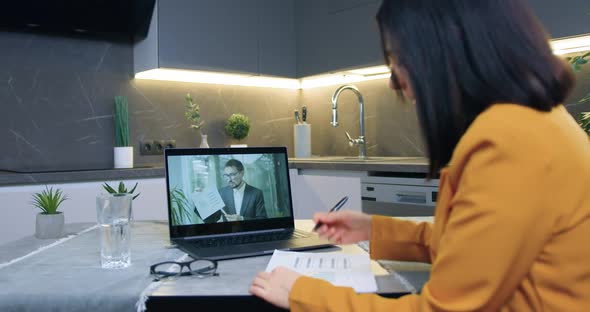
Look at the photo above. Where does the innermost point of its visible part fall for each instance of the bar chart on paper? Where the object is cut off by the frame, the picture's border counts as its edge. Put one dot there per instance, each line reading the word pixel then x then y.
pixel 352 270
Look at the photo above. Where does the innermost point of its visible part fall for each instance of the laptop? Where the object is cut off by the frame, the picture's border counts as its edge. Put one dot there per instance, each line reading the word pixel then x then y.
pixel 226 203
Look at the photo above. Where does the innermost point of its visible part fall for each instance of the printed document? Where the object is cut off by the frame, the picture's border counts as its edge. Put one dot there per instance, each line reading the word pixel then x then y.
pixel 337 268
pixel 208 201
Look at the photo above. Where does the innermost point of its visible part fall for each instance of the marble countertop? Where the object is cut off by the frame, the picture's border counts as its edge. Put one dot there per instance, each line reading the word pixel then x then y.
pixel 346 163
pixel 374 164
pixel 7 179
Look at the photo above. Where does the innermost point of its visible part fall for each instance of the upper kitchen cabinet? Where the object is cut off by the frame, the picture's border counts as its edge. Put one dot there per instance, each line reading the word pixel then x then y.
pixel 333 35
pixel 276 38
pixel 254 36
pixel 563 18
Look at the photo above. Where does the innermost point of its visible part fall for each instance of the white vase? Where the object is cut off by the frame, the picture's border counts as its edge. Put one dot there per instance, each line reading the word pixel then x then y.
pixel 123 157
pixel 204 142
pixel 49 225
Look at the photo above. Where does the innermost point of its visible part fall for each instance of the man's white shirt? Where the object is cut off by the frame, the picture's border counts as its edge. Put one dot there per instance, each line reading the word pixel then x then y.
pixel 239 197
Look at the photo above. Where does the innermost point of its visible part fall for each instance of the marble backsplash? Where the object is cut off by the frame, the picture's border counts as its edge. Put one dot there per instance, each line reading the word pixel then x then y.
pixel 56 111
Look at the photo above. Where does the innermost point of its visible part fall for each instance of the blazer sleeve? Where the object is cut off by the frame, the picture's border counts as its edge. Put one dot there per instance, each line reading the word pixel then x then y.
pixel 259 204
pixel 497 226
pixel 403 240
pixel 228 199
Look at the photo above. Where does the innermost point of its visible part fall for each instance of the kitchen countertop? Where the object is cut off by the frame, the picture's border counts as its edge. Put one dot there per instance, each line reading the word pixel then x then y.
pixel 411 165
pixel 372 164
pixel 7 179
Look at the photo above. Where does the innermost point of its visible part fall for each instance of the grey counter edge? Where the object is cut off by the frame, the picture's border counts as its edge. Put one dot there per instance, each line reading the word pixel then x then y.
pixel 401 166
pixel 15 179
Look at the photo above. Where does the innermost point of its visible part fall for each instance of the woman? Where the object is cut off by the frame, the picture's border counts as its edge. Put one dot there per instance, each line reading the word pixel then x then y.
pixel 513 215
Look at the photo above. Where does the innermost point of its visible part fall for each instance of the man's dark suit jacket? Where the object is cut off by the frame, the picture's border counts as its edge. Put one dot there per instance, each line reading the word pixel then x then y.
pixel 252 204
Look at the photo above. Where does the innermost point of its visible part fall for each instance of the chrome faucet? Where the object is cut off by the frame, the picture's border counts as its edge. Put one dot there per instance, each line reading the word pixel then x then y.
pixel 360 141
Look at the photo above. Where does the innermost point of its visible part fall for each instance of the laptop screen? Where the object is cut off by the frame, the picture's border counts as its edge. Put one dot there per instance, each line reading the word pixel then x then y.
pixel 227 190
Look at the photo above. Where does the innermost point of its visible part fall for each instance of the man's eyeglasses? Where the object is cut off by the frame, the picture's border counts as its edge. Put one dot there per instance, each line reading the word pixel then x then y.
pixel 200 267
pixel 230 175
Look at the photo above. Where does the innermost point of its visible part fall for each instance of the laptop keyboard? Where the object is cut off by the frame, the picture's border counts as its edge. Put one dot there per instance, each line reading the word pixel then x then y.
pixel 247 239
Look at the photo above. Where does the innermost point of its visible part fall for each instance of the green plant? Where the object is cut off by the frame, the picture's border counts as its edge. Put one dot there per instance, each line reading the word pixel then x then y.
pixel 121 121
pixel 121 189
pixel 184 208
pixel 237 126
pixel 49 200
pixel 577 62
pixel 584 121
pixel 193 113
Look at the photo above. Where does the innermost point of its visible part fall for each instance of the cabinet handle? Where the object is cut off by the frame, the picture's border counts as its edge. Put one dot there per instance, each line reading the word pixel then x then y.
pixel 415 198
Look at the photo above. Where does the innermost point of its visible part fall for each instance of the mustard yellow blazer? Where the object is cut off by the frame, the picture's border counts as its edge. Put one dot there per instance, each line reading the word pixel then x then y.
pixel 511 228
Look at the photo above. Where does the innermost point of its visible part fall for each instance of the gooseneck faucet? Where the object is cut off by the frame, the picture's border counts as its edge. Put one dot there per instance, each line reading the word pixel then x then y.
pixel 360 141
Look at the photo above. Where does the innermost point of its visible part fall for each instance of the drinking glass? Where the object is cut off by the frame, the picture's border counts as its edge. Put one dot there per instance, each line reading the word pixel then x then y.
pixel 113 212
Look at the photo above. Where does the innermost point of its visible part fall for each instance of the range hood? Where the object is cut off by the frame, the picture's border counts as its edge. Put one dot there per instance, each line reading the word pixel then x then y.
pixel 125 19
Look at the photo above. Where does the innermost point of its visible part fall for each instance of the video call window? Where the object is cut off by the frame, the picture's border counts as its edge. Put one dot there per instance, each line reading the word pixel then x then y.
pixel 227 188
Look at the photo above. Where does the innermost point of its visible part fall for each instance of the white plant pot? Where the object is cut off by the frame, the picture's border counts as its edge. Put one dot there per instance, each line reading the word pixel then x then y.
pixel 49 225
pixel 123 157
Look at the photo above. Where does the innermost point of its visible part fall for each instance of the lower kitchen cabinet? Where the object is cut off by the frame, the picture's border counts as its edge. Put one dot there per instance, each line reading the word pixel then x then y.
pixel 18 213
pixel 319 190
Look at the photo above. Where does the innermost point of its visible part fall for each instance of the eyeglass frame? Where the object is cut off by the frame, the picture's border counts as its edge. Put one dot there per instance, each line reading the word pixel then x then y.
pixel 231 175
pixel 162 275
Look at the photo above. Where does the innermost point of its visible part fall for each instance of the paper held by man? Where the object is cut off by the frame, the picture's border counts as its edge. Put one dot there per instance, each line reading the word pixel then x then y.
pixel 208 201
pixel 352 270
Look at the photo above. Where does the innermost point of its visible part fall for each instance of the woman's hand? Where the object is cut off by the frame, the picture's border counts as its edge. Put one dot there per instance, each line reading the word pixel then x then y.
pixel 275 286
pixel 344 227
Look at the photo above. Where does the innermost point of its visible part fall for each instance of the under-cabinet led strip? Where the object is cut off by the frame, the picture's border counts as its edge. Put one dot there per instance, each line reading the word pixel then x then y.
pixel 559 46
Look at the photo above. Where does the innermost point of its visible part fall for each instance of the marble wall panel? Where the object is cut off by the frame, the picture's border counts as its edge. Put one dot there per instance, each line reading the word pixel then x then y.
pixel 56 108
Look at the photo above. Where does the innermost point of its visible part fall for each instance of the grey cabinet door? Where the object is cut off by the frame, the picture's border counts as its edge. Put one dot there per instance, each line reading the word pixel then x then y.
pixel 276 50
pixel 219 35
pixel 563 18
pixel 335 35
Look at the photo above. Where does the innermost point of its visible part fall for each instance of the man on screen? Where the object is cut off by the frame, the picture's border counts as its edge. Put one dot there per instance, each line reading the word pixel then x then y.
pixel 242 201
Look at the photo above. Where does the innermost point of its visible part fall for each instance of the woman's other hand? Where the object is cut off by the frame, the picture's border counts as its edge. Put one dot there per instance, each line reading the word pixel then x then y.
pixel 275 286
pixel 344 227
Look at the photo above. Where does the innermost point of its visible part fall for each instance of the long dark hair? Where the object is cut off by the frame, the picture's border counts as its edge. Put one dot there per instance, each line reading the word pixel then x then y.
pixel 463 56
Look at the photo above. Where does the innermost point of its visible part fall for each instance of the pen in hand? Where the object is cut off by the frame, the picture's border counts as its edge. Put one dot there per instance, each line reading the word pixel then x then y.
pixel 335 208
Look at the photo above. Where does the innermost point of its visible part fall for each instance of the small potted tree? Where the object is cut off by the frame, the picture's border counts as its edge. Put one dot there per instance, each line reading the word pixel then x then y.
pixel 123 152
pixel 49 222
pixel 237 127
pixel 193 114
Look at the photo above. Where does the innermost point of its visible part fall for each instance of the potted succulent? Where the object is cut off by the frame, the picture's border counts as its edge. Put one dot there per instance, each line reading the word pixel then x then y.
pixel 49 222
pixel 122 189
pixel 237 127
pixel 123 152
pixel 193 114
